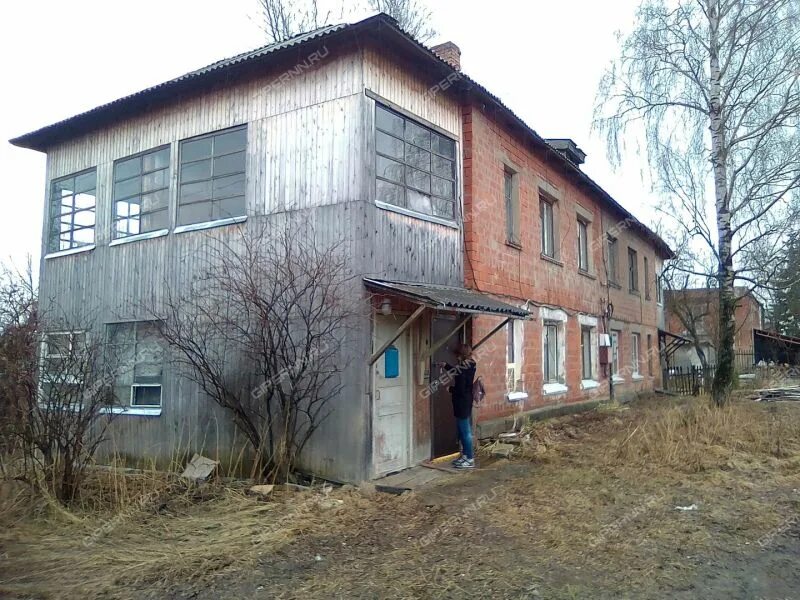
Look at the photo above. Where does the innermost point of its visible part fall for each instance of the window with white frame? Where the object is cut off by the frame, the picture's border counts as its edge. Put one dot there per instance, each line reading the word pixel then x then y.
pixel 514 337
pixel 635 357
pixel 212 177
pixel 141 193
pixel 615 353
pixel 552 372
pixel 415 166
pixel 587 370
pixel 137 354
pixel 546 221
pixel 61 364
pixel 72 211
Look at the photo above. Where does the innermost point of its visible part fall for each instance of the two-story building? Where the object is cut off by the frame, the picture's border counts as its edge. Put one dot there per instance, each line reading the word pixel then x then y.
pixel 459 220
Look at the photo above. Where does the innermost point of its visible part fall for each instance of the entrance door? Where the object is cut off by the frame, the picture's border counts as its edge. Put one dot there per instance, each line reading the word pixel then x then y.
pixel 391 438
pixel 443 434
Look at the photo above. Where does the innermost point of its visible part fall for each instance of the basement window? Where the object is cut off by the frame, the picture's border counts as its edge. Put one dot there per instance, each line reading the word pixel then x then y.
pixel 415 166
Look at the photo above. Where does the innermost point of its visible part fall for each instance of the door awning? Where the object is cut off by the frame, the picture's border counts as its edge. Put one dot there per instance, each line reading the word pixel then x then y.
pixel 445 297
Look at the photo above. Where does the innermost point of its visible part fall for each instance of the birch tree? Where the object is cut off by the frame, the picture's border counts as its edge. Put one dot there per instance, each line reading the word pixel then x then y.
pixel 712 86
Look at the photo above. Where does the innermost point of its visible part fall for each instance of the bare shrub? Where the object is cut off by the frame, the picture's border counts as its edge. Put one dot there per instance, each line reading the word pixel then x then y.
pixel 261 332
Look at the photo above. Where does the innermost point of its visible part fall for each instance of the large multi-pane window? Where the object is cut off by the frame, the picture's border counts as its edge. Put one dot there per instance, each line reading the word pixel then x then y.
pixel 551 374
pixel 136 352
pixel 586 352
pixel 415 166
pixel 212 177
pixel 546 221
pixel 583 245
pixel 141 193
pixel 72 211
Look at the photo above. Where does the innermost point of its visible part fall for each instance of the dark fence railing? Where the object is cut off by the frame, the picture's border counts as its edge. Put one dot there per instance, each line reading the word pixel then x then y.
pixel 689 381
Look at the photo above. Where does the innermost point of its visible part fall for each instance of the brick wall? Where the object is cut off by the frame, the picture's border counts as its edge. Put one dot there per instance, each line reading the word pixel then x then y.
pixel 520 273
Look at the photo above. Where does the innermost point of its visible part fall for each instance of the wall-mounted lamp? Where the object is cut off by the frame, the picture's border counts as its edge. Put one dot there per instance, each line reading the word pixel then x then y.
pixel 386 307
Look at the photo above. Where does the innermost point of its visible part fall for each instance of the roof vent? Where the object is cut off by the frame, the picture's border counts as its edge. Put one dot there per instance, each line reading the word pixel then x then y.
pixel 449 53
pixel 569 149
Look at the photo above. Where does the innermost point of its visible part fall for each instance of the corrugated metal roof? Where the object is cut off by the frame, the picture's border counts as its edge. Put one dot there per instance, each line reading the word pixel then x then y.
pixel 380 23
pixel 448 297
pixel 37 140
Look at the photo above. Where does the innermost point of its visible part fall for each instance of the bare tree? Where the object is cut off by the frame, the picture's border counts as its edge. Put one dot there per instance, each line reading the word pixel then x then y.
pixel 56 387
pixel 413 16
pixel 714 86
pixel 262 331
pixel 283 19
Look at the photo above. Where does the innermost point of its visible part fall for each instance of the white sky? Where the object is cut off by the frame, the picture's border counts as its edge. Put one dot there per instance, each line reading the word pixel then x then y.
pixel 542 58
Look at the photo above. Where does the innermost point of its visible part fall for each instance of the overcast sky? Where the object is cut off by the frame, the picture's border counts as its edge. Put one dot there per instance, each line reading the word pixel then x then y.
pixel 542 58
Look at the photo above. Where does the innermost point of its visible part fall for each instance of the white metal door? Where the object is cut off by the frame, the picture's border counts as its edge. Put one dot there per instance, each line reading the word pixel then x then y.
pixel 391 427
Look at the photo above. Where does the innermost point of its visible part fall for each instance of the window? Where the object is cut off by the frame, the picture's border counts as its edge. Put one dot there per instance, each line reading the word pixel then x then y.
pixel 551 371
pixel 659 290
pixel 583 246
pixel 72 211
pixel 510 350
pixel 141 193
pixel 612 260
pixel 514 355
pixel 646 279
pixel 415 167
pixel 62 364
pixel 635 354
pixel 546 218
pixel 212 177
pixel 615 353
pixel 512 206
pixel 586 352
pixel 650 355
pixel 633 270
pixel 137 355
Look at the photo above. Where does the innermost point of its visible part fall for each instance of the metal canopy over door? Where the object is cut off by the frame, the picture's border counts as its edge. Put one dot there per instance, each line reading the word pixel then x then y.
pixel 391 437
pixel 444 439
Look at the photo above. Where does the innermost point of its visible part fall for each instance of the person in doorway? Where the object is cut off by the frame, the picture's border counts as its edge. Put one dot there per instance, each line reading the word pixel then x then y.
pixel 462 376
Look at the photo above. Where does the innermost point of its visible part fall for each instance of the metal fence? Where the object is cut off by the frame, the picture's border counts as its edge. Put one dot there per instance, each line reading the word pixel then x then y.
pixel 689 381
pixel 693 380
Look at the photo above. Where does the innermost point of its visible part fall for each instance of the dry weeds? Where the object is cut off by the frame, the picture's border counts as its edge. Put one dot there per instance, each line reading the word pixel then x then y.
pixel 586 495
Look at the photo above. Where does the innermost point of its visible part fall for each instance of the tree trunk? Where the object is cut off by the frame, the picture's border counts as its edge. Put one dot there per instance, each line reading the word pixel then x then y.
pixel 723 378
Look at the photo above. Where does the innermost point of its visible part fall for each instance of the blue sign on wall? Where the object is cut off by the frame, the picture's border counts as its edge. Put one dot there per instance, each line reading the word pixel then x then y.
pixel 391 363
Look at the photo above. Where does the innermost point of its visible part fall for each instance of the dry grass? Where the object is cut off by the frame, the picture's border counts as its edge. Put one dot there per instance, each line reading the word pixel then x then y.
pixel 587 507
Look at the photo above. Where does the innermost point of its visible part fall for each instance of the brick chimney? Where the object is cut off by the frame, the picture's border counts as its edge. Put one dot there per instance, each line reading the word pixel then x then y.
pixel 449 53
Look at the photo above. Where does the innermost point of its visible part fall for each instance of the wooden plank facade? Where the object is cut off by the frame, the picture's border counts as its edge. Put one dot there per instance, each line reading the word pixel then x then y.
pixel 310 157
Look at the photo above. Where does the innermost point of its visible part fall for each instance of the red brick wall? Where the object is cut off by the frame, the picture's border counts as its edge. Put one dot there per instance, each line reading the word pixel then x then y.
pixel 521 274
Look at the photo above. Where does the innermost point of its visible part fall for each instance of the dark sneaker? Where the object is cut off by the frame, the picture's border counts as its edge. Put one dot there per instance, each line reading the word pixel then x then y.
pixel 458 462
pixel 467 463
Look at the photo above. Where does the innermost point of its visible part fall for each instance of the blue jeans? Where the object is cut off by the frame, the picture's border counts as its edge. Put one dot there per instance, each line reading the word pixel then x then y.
pixel 465 436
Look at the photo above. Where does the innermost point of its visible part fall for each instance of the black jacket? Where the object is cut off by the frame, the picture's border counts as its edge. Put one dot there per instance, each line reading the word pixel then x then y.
pixel 463 375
